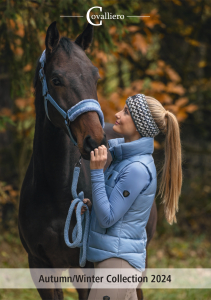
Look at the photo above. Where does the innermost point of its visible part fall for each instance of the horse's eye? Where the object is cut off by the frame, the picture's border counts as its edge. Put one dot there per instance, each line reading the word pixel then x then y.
pixel 56 81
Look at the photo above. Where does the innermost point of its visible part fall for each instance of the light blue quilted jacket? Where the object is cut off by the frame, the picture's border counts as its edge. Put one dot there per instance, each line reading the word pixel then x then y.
pixel 126 238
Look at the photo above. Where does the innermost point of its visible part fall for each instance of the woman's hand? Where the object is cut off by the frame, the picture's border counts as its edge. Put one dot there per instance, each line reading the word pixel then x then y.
pixel 83 208
pixel 98 157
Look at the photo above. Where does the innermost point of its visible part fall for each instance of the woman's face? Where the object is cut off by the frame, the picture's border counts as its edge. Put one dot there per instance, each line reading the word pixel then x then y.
pixel 125 125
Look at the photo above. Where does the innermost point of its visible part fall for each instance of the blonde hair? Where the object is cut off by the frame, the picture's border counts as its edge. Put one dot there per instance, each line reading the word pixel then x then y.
pixel 171 179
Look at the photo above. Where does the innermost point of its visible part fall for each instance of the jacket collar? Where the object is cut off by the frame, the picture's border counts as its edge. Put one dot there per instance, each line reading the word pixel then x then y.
pixel 121 150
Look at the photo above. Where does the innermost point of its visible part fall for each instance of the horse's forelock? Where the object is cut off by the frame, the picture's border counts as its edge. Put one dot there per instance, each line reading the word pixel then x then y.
pixel 66 44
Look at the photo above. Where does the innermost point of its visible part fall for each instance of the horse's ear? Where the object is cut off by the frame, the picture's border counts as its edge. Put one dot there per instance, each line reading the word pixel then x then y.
pixel 85 38
pixel 52 38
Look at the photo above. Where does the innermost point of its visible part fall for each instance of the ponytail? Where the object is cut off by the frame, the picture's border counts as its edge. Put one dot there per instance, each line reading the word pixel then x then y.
pixel 171 178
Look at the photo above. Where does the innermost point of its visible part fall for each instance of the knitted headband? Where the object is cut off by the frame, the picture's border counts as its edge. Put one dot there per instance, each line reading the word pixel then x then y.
pixel 142 116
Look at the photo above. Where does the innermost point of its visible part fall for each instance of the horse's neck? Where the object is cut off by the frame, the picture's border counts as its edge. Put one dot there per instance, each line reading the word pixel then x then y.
pixel 54 155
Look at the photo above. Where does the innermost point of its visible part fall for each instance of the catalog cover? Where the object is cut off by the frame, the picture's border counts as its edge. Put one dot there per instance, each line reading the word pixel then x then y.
pixel 105 144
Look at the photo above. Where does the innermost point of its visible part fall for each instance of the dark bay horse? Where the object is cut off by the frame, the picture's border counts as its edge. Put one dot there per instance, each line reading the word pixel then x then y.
pixel 46 190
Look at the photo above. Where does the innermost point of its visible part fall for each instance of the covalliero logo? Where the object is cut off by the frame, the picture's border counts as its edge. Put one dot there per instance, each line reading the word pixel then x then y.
pixel 105 15
pixel 101 17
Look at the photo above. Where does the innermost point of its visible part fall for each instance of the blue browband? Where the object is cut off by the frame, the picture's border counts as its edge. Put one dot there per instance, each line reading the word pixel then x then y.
pixel 75 111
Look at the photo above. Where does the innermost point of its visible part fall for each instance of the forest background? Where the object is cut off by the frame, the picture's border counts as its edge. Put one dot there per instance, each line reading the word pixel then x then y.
pixel 167 56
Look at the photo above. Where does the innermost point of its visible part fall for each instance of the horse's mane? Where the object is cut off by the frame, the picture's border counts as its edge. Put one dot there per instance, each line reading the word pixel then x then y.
pixel 66 44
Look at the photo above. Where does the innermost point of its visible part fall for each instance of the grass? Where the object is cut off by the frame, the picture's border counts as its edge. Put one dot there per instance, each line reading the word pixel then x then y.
pixel 31 294
pixel 163 251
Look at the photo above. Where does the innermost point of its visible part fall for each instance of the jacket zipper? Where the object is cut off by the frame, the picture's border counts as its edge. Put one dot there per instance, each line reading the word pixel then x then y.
pixel 107 169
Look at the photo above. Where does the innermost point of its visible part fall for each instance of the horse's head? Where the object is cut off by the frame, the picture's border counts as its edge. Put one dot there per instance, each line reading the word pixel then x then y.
pixel 71 77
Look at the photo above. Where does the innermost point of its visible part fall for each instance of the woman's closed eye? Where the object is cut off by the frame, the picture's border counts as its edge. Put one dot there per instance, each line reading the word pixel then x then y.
pixel 126 111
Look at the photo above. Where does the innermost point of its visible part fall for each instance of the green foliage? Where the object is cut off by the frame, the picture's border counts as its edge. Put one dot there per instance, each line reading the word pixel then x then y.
pixel 4 120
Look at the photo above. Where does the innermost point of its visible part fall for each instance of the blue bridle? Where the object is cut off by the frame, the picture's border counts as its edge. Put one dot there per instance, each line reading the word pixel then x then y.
pixel 76 110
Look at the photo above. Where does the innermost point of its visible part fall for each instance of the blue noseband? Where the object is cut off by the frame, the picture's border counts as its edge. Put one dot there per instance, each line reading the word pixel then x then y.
pixel 75 111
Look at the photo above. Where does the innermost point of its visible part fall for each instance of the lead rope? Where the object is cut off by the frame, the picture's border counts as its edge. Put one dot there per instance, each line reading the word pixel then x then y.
pixel 81 229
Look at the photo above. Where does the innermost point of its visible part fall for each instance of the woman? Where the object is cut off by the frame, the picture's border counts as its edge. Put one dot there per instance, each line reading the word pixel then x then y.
pixel 124 194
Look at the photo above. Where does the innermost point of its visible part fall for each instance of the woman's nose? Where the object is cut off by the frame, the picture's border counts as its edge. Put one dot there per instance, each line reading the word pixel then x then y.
pixel 117 115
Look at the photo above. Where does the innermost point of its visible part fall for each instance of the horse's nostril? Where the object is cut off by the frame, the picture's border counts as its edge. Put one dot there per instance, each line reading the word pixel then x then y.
pixel 89 144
